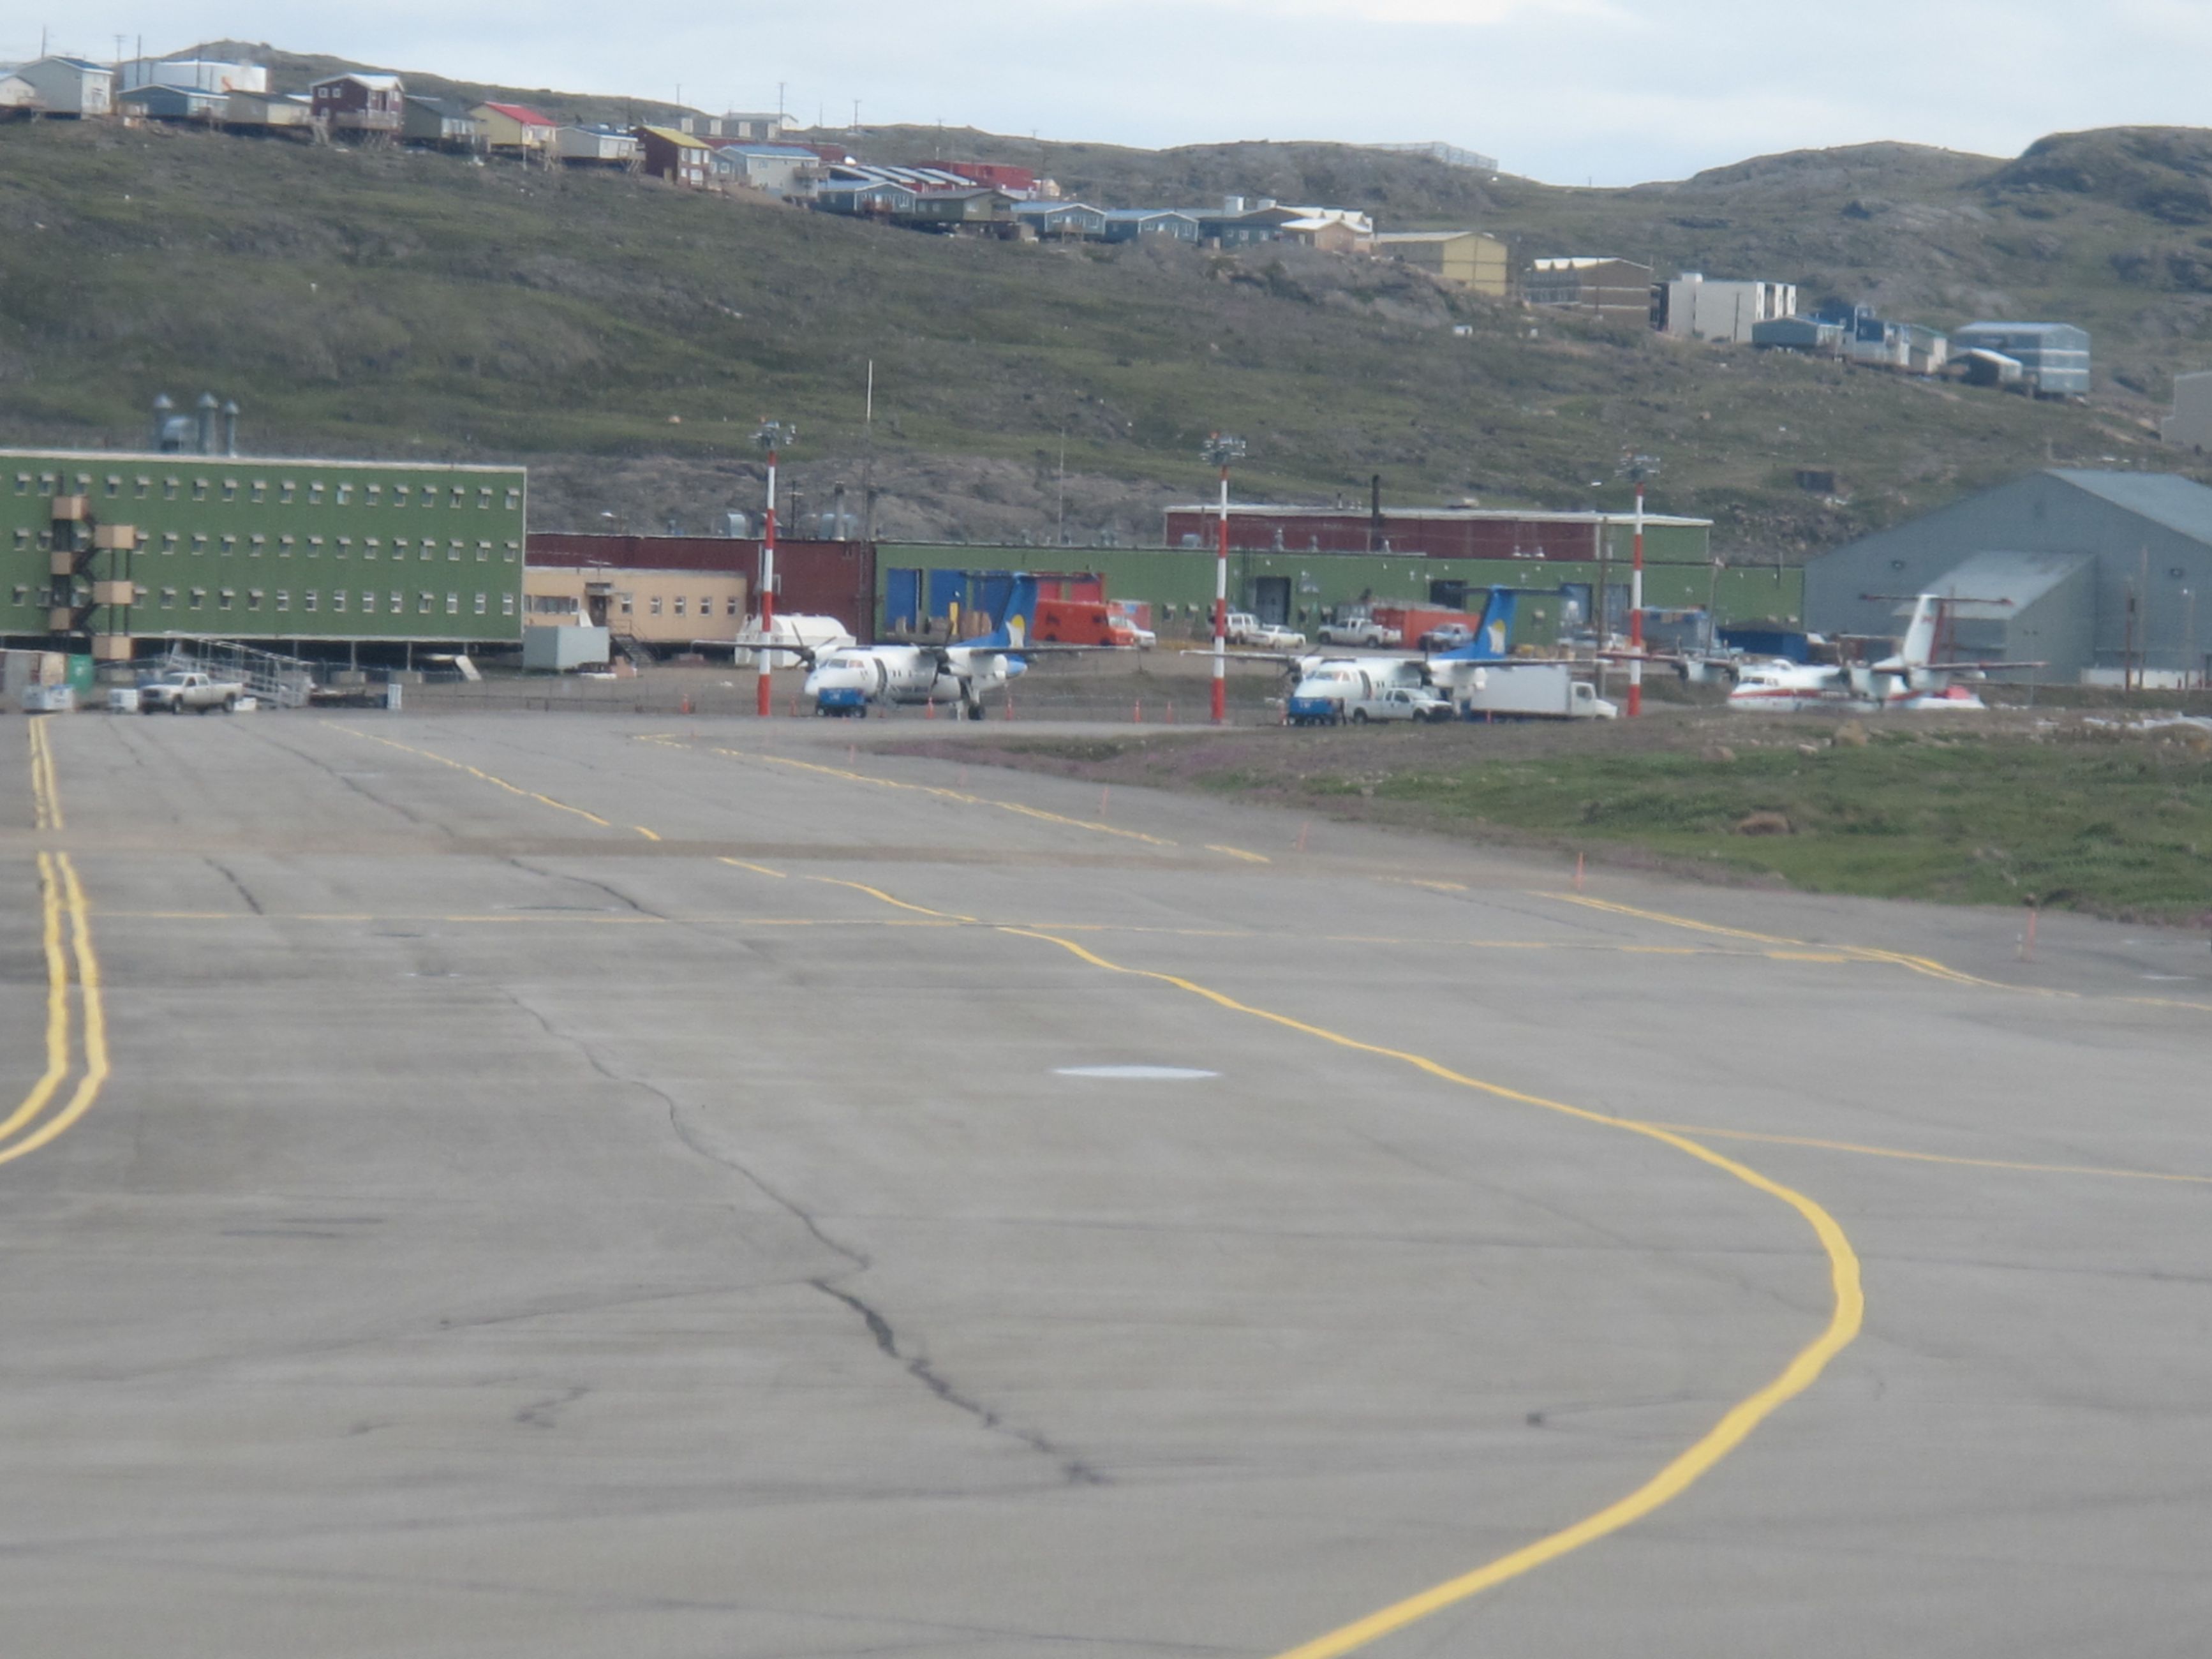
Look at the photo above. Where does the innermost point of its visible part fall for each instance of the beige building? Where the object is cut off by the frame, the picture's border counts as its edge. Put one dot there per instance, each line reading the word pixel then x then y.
pixel 1468 258
pixel 666 609
pixel 1612 291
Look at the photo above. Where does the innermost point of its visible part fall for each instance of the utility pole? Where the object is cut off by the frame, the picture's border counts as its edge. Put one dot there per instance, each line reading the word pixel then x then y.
pixel 1637 467
pixel 1221 450
pixel 771 437
pixel 1060 506
pixel 868 460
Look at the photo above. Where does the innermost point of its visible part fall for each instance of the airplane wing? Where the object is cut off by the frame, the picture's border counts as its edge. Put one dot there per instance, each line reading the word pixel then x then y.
pixel 806 653
pixel 1960 667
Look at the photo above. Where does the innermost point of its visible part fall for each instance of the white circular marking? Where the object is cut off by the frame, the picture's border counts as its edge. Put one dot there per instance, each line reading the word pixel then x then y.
pixel 1135 1073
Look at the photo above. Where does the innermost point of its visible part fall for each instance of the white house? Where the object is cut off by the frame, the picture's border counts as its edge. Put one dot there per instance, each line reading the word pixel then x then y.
pixel 16 93
pixel 70 86
pixel 777 169
pixel 1696 308
pixel 2189 426
pixel 609 146
pixel 194 74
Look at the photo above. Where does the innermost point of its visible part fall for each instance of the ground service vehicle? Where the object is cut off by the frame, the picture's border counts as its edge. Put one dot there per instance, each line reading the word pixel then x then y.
pixel 1329 689
pixel 1357 631
pixel 173 693
pixel 1404 702
pixel 1448 637
pixel 1534 691
pixel 1083 621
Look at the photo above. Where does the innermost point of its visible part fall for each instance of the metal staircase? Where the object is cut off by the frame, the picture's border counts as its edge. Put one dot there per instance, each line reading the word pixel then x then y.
pixel 278 681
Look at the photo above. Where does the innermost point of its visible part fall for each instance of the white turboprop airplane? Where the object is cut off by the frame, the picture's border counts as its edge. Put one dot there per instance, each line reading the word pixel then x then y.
pixel 1907 680
pixel 846 681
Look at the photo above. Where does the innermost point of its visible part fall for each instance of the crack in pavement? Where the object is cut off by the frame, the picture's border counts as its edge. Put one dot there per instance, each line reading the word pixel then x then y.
pixel 1076 1472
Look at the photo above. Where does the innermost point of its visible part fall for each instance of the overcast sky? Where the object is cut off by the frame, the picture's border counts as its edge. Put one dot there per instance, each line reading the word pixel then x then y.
pixel 1568 91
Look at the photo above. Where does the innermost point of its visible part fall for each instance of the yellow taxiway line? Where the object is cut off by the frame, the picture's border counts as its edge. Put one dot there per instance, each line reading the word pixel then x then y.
pixel 61 900
pixel 478 772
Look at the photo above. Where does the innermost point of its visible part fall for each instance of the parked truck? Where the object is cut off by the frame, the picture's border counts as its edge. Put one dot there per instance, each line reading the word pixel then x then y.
pixel 172 694
pixel 1534 691
pixel 1085 622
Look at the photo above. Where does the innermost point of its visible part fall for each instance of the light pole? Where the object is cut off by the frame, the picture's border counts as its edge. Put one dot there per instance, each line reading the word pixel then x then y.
pixel 1637 467
pixel 1221 449
pixel 771 437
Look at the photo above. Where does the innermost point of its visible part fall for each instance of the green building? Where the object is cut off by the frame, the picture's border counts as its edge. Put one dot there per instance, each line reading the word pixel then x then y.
pixel 1301 589
pixel 101 550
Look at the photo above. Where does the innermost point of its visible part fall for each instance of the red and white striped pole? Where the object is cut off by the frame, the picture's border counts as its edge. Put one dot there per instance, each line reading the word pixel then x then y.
pixel 1636 613
pixel 772 436
pixel 1222 451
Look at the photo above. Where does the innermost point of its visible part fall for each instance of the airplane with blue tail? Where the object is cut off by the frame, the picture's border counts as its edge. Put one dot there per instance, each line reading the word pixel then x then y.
pixel 846 683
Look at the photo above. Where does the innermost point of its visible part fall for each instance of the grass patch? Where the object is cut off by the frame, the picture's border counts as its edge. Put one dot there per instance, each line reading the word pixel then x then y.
pixel 2118 829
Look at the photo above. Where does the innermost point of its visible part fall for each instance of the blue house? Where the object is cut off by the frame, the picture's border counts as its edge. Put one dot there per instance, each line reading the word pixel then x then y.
pixel 1147 224
pixel 1071 221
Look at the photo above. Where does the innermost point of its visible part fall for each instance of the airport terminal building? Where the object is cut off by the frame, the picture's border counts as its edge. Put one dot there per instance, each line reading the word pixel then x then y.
pixel 2095 575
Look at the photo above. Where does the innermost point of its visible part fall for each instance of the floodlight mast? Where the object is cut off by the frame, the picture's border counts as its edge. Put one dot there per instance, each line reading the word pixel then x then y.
pixel 1637 467
pixel 771 437
pixel 1221 450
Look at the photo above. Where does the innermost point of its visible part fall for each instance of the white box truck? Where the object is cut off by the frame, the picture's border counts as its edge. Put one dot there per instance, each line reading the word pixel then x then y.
pixel 1534 691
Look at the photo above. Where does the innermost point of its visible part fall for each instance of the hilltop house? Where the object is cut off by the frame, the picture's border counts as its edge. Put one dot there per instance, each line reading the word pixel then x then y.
pixel 364 102
pixel 70 86
pixel 1597 285
pixel 514 129
pixel 17 95
pixel 1692 307
pixel 157 102
pixel 2053 357
pixel 437 123
pixel 269 112
pixel 978 212
pixel 1150 224
pixel 1465 258
pixel 777 169
pixel 1062 221
pixel 677 157
pixel 596 147
pixel 194 74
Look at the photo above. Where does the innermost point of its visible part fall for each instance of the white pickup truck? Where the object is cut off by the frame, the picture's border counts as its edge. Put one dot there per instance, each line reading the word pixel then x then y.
pixel 1357 631
pixel 175 693
pixel 1404 702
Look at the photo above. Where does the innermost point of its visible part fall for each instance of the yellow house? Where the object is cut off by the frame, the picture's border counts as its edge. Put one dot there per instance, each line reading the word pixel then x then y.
pixel 514 128
pixel 1468 258
pixel 667 609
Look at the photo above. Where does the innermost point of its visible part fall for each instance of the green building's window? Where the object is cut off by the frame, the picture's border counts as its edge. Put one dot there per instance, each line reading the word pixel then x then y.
pixel 514 551
pixel 368 547
pixel 424 603
pixel 480 606
pixel 453 551
pixel 284 545
pixel 253 598
pixel 483 499
pixel 514 499
pixel 137 594
pixel 168 489
pixel 23 484
pixel 22 538
pixel 114 485
pixel 344 546
pixel 398 602
pixel 286 490
pixel 168 598
pixel 314 492
pixel 22 594
pixel 460 496
pixel 283 600
pixel 199 489
pixel 168 541
pixel 400 495
pixel 230 490
pixel 226 599
pixel 452 604
pixel 140 488
pixel 344 495
pixel 307 600
pixel 314 547
pixel 199 542
pixel 257 545
pixel 368 603
pixel 260 492
pixel 199 598
pixel 369 494
pixel 399 546
pixel 230 545
pixel 337 600
pixel 483 552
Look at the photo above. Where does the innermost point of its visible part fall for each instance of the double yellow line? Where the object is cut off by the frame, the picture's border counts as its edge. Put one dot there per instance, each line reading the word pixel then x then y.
pixel 66 931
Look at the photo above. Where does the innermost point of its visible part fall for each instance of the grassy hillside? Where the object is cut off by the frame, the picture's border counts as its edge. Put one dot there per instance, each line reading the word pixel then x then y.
pixel 624 338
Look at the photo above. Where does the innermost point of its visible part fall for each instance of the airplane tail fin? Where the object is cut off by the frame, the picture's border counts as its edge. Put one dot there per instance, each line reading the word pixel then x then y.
pixel 1494 635
pixel 1013 630
pixel 1919 648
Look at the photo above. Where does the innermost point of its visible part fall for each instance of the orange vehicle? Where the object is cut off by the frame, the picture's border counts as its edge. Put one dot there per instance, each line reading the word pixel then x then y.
pixel 1081 621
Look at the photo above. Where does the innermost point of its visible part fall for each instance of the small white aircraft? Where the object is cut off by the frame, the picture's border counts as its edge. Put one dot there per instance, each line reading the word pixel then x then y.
pixel 846 681
pixel 1907 680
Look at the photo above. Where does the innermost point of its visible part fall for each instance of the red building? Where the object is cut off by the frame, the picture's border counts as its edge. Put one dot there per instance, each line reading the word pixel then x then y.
pixel 815 578
pixel 1017 180
pixel 1433 532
